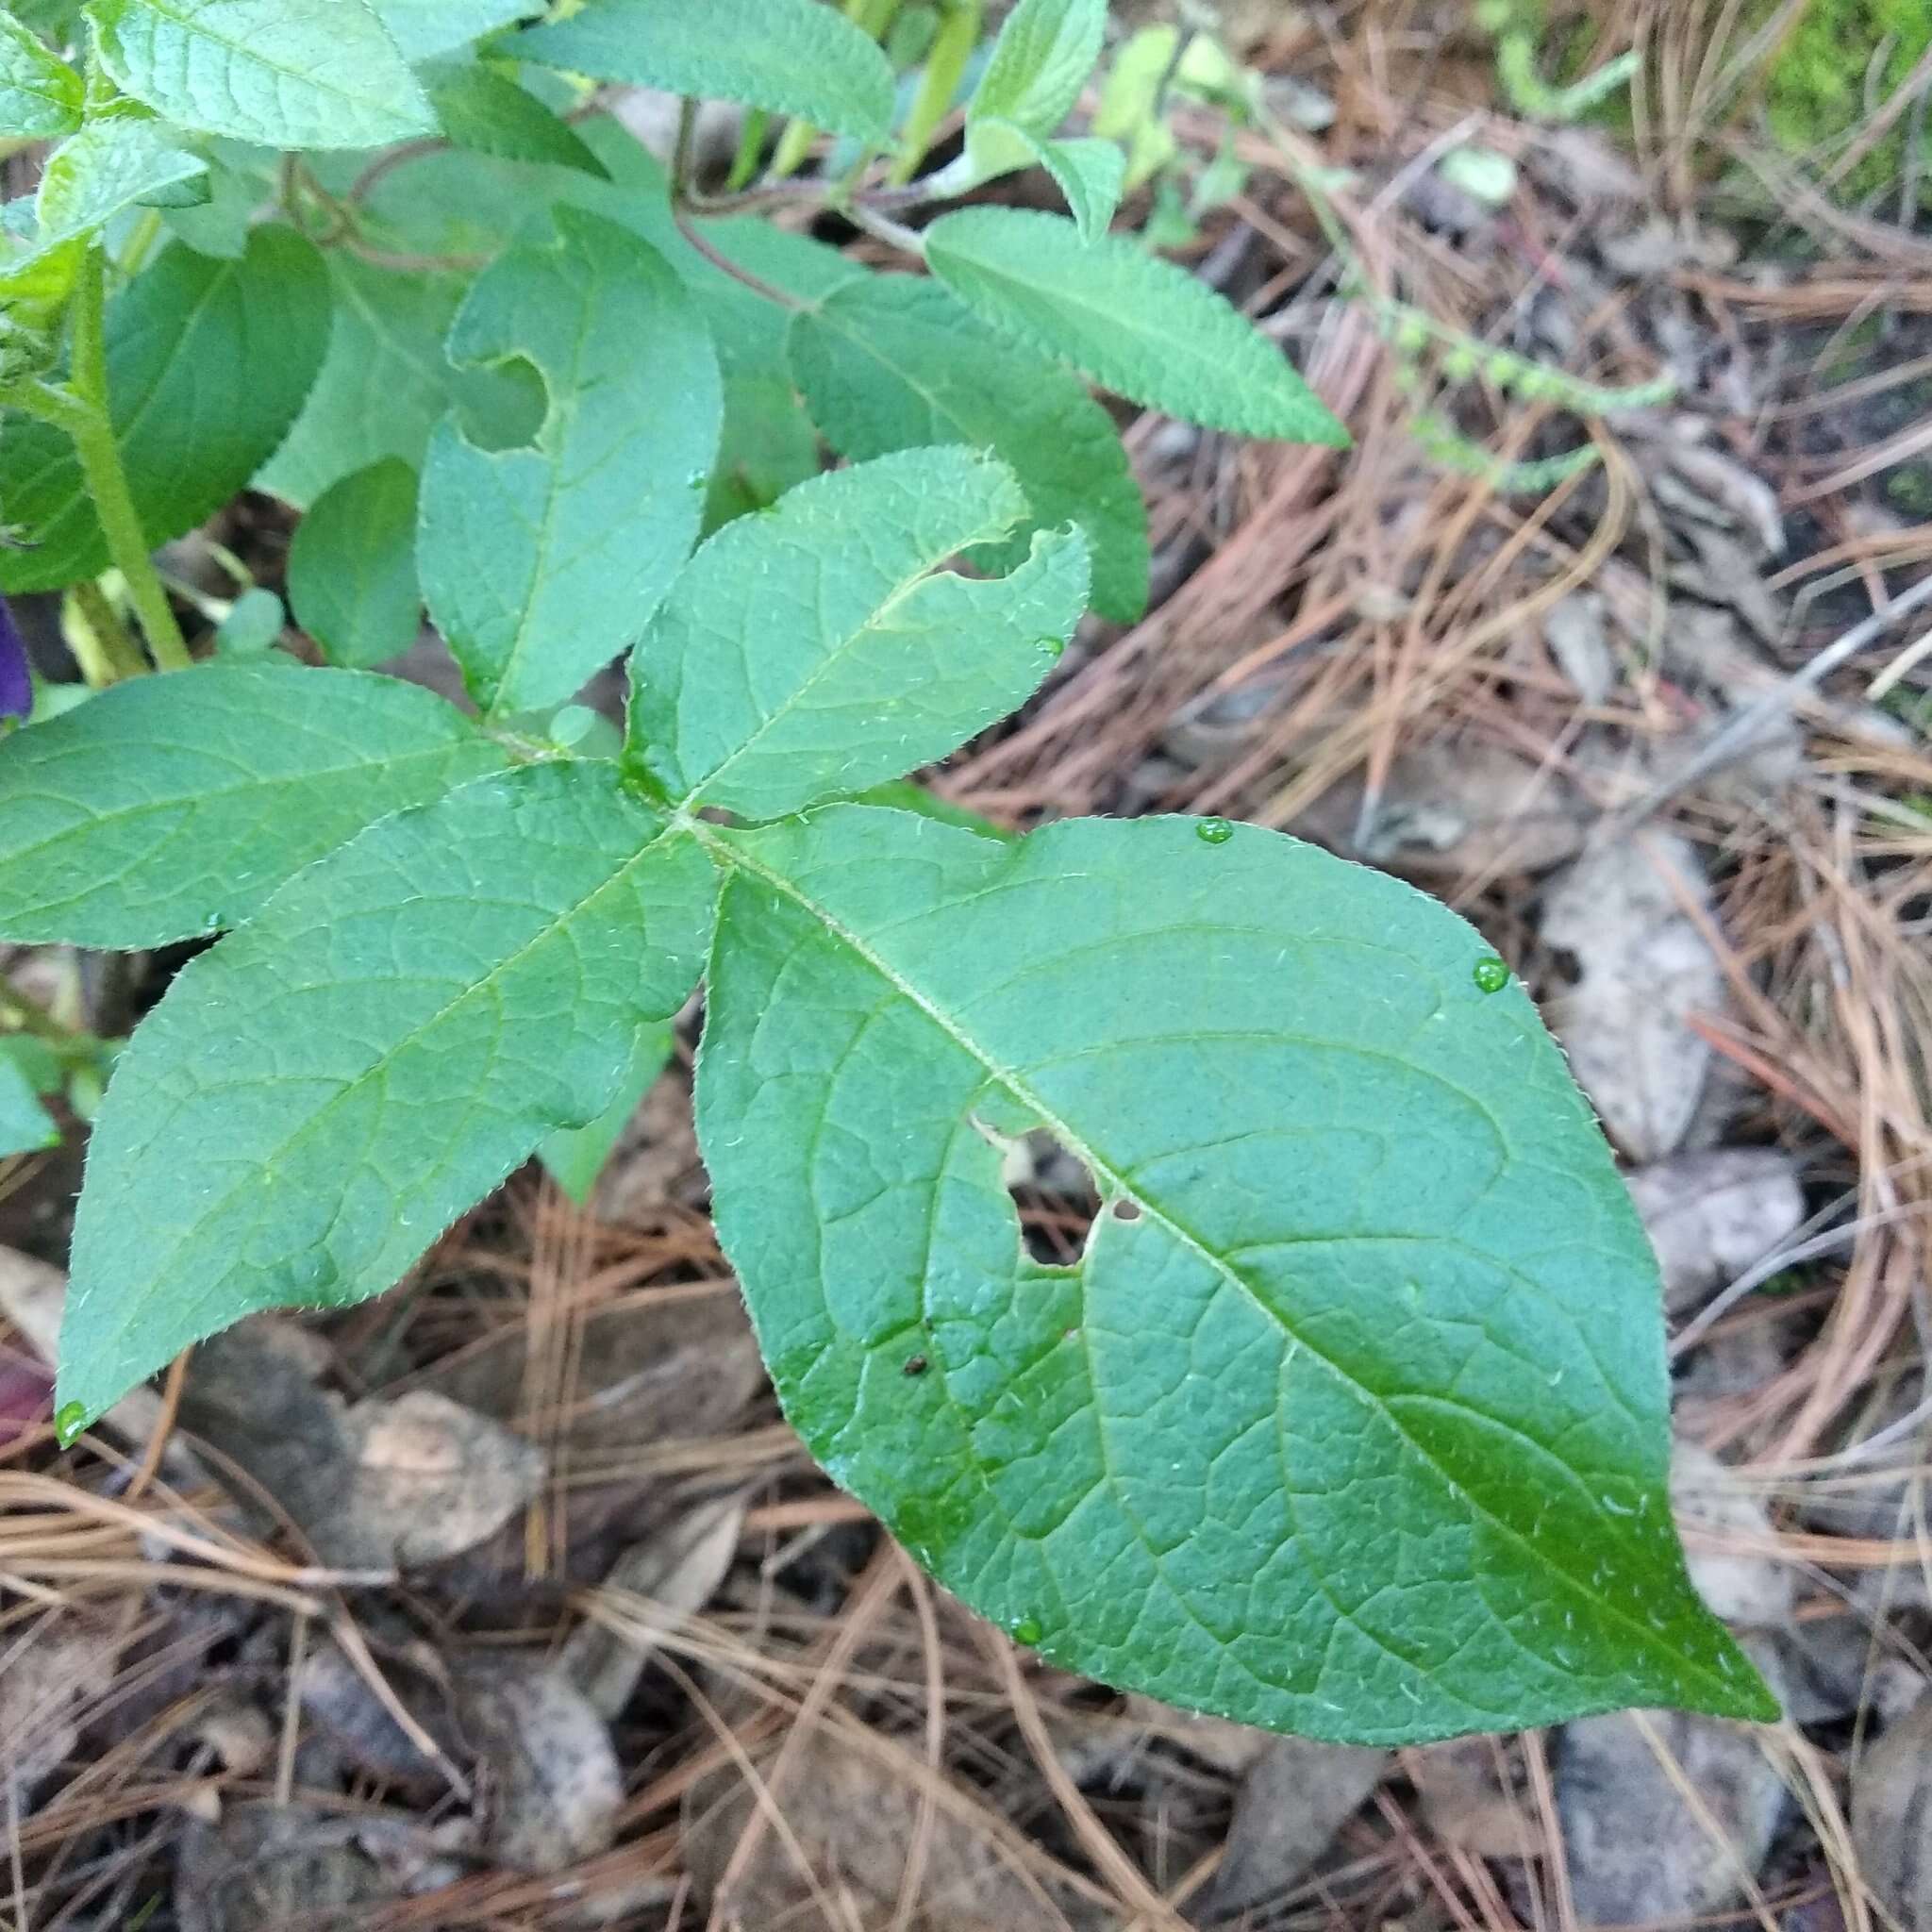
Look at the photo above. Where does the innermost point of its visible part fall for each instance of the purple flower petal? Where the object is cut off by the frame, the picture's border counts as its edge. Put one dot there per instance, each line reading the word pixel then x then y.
pixel 16 683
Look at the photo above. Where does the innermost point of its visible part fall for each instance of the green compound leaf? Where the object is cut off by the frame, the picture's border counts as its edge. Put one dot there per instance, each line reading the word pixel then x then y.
pixel 1352 1419
pixel 111 163
pixel 208 362
pixel 40 96
pixel 352 566
pixel 289 74
pixel 793 56
pixel 168 808
pixel 485 110
pixel 1136 323
pixel 820 647
pixel 422 28
pixel 573 1158
pixel 1039 64
pixel 540 564
pixel 25 1126
pixel 889 362
pixel 317 1098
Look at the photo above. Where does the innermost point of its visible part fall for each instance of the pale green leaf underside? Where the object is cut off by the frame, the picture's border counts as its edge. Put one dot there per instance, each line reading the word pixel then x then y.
pixel 819 648
pixel 1134 322
pixel 421 28
pixel 317 1098
pixel 208 362
pixel 540 564
pixel 1353 1420
pixel 889 362
pixel 352 566
pixel 169 808
pixel 39 94
pixel 289 74
pixel 1090 174
pixel 795 56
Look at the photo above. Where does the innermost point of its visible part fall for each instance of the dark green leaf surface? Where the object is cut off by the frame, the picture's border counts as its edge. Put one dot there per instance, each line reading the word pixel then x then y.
pixel 208 362
pixel 352 566
pixel 795 56
pixel 1132 321
pixel 1353 1419
pixel 484 109
pixel 289 74
pixel 39 94
pixel 820 647
pixel 890 362
pixel 317 1098
pixel 168 808
pixel 540 564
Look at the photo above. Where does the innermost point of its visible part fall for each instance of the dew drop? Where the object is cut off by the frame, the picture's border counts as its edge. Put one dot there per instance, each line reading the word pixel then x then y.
pixel 1052 646
pixel 1027 1630
pixel 70 1420
pixel 1215 831
pixel 1490 974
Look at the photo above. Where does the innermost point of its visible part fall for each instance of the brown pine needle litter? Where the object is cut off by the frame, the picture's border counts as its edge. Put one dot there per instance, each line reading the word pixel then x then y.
pixel 655 1673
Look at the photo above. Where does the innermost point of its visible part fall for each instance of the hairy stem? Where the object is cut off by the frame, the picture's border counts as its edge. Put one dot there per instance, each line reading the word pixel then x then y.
pixel 107 480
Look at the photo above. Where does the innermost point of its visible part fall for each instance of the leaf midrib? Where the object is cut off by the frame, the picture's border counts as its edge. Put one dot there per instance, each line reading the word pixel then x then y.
pixel 732 855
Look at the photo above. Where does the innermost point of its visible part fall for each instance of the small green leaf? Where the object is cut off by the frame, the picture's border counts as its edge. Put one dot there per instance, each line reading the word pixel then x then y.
pixel 1089 173
pixel 423 29
pixel 795 56
pixel 889 362
pixel 208 362
pixel 1137 325
pixel 1352 1419
pixel 819 648
pixel 1039 64
pixel 253 626
pixel 289 74
pixel 169 808
pixel 317 1098
pixel 352 566
pixel 485 110
pixel 40 96
pixel 573 1158
pixel 25 1126
pixel 540 564
pixel 113 162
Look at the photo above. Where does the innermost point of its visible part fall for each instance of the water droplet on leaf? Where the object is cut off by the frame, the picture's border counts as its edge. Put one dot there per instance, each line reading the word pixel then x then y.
pixel 1052 646
pixel 1490 974
pixel 68 1422
pixel 1027 1630
pixel 1215 831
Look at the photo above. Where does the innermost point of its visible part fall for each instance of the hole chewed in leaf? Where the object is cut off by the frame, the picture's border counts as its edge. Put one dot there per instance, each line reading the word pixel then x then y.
pixel 1054 1195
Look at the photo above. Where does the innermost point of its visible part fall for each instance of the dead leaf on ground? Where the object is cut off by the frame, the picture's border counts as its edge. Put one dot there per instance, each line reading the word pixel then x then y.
pixel 273 1865
pixel 854 1820
pixel 32 1296
pixel 386 1484
pixel 339 1698
pixel 652 1587
pixel 1728 1537
pixel 549 1783
pixel 1891 1818
pixel 1710 1215
pixel 652 1371
pixel 1449 810
pixel 50 1670
pixel 1474 1797
pixel 1638 1853
pixel 1293 1799
pixel 1577 630
pixel 1644 972
pixel 1217 1741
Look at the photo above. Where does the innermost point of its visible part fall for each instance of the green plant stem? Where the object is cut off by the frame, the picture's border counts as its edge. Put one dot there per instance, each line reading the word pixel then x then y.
pixel 116 654
pixel 107 481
